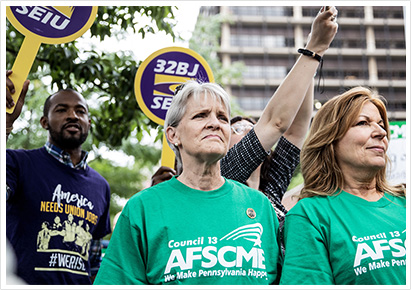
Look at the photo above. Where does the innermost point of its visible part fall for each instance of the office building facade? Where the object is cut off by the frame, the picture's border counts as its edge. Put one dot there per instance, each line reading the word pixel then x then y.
pixel 368 50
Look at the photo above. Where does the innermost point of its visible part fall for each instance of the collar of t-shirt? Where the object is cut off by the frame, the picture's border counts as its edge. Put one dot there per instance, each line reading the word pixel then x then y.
pixel 65 158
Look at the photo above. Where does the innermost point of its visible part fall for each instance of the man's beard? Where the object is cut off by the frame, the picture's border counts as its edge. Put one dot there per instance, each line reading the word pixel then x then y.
pixel 64 142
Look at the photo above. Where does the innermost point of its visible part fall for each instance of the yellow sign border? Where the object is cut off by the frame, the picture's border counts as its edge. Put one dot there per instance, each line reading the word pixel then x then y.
pixel 147 61
pixel 13 20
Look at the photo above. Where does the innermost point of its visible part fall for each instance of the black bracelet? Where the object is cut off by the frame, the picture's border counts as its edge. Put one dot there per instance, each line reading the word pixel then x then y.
pixel 310 53
pixel 320 60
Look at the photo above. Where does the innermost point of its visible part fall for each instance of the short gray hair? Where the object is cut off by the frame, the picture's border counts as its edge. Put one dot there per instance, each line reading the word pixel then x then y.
pixel 178 105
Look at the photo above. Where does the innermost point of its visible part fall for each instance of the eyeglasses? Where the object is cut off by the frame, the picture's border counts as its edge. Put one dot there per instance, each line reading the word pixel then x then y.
pixel 240 128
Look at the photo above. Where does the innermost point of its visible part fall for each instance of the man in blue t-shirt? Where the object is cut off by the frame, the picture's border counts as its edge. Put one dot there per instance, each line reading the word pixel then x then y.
pixel 57 206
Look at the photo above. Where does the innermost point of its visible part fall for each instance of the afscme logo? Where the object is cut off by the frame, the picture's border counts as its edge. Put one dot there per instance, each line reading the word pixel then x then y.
pixel 210 256
pixel 376 251
pixel 57 17
pixel 229 256
pixel 246 232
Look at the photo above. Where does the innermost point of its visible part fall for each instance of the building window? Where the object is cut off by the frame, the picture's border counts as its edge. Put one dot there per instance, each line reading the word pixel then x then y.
pixel 389 37
pixel 273 41
pixel 258 41
pixel 346 11
pixel 265 72
pixel 351 12
pixel 393 12
pixel 395 98
pixel 276 72
pixel 261 10
pixel 390 68
pixel 252 103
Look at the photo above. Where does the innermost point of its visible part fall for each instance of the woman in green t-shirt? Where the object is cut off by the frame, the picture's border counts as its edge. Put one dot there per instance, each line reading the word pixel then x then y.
pixel 349 226
pixel 198 227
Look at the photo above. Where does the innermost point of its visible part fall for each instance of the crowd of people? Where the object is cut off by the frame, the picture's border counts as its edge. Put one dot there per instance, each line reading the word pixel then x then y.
pixel 218 216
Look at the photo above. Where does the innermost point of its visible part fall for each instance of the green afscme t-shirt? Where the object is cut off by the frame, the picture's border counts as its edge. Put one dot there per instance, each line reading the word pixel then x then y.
pixel 344 239
pixel 171 234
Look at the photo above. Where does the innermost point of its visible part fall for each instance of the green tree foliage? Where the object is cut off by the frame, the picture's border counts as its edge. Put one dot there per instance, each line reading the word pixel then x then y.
pixel 206 41
pixel 105 76
pixel 106 80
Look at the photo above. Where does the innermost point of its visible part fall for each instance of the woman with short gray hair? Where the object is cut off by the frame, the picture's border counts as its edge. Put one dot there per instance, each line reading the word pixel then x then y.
pixel 197 227
pixel 192 89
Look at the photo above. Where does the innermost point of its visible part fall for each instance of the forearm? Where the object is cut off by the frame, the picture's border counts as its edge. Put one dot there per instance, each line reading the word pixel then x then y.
pixel 10 118
pixel 286 101
pixel 298 129
pixel 281 110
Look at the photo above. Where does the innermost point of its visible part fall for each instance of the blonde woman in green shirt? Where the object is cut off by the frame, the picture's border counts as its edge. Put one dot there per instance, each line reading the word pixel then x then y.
pixel 349 226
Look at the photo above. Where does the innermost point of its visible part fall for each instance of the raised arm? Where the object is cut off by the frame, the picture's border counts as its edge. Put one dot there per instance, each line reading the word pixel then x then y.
pixel 10 118
pixel 299 127
pixel 286 101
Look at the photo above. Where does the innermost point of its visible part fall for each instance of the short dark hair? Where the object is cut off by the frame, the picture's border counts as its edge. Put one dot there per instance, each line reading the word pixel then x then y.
pixel 240 118
pixel 47 104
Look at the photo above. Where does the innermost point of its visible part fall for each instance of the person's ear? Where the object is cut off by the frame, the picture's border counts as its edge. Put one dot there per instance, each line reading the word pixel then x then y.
pixel 44 122
pixel 172 135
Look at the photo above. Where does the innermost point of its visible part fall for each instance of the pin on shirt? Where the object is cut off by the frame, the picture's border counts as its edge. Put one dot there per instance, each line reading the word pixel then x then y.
pixel 251 213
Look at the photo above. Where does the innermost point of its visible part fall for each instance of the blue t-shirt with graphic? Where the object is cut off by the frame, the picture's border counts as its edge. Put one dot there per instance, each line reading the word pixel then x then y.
pixel 53 213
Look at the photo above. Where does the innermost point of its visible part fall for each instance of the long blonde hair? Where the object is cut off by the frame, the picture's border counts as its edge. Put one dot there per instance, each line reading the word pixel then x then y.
pixel 319 166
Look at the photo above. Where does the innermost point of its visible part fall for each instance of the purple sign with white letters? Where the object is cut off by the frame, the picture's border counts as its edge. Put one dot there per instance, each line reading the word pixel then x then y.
pixel 161 73
pixel 44 24
pixel 52 21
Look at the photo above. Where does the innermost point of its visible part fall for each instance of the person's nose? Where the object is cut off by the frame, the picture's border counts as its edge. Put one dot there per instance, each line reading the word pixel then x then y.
pixel 378 131
pixel 72 115
pixel 213 122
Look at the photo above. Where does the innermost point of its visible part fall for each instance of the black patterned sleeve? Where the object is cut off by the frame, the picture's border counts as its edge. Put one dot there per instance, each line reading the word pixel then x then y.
pixel 243 158
pixel 284 160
